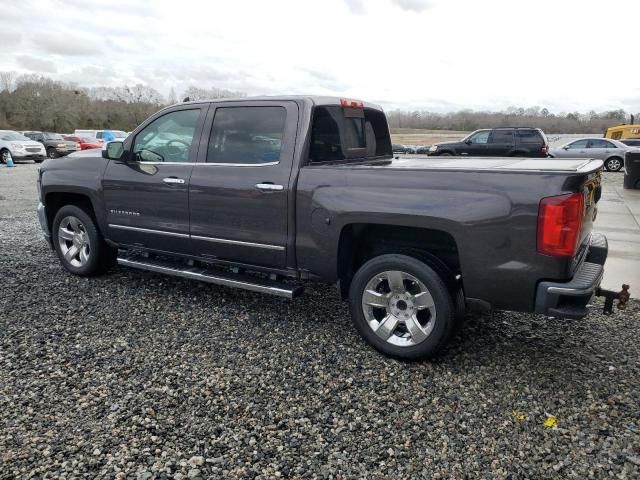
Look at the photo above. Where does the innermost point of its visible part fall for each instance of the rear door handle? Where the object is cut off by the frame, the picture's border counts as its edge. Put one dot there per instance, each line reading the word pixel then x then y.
pixel 269 187
pixel 173 180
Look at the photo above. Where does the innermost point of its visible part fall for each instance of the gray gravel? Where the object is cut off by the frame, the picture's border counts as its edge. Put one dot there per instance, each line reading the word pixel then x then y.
pixel 136 375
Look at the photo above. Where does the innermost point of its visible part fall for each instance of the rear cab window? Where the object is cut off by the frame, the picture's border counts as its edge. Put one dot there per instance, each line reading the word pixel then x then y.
pixel 343 133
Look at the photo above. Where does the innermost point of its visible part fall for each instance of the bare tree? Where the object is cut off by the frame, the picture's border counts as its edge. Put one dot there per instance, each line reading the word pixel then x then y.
pixel 6 81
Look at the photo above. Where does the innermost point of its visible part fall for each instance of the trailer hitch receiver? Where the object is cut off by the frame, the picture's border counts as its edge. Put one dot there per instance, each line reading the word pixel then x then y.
pixel 609 296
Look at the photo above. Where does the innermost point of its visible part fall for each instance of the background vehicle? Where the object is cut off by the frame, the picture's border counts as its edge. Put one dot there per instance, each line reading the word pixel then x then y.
pixel 118 134
pixel 610 151
pixel 411 149
pixel 55 145
pixel 423 149
pixel 20 147
pixel 399 148
pixel 623 131
pixel 248 192
pixel 85 143
pixel 497 142
pixel 631 142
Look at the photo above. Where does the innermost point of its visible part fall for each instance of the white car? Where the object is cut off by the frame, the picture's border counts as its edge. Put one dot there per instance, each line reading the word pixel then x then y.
pixel 20 147
pixel 99 134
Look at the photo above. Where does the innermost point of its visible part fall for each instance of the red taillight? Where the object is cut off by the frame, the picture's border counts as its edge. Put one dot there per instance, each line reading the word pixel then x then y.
pixel 349 103
pixel 559 224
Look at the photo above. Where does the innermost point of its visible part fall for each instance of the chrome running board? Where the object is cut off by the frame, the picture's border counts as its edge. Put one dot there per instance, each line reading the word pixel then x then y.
pixel 228 279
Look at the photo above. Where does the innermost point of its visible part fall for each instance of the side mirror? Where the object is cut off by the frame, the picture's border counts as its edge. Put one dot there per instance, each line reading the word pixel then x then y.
pixel 468 142
pixel 113 150
pixel 566 147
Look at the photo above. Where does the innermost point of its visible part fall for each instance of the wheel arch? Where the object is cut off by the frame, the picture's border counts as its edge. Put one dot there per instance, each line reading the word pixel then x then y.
pixel 359 242
pixel 55 200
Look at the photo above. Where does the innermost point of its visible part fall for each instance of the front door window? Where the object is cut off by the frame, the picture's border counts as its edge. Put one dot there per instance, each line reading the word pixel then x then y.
pixel 169 138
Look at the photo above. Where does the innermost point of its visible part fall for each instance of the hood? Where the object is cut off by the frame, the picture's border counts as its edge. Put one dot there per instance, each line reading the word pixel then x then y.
pixel 27 143
pixel 92 152
pixel 447 143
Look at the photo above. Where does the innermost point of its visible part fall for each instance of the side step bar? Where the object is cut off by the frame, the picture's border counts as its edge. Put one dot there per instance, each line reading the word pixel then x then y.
pixel 227 279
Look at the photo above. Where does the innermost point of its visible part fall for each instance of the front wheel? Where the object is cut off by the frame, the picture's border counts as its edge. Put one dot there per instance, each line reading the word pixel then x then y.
pixel 613 164
pixel 51 152
pixel 78 243
pixel 4 155
pixel 401 307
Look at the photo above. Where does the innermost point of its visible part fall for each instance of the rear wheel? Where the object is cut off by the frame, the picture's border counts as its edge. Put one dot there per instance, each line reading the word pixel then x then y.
pixel 78 243
pixel 401 307
pixel 613 164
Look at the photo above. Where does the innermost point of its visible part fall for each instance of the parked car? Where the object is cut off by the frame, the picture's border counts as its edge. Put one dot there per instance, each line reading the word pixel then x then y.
pixel 328 205
pixel 496 142
pixel 631 142
pixel 55 145
pixel 399 148
pixel 85 143
pixel 411 149
pixel 99 134
pixel 423 149
pixel 610 151
pixel 20 147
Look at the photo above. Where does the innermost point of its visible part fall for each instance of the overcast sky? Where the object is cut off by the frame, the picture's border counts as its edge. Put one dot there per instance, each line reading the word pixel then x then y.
pixel 440 55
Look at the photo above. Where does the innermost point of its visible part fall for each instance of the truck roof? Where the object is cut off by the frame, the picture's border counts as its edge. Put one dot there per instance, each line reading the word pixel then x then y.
pixel 314 99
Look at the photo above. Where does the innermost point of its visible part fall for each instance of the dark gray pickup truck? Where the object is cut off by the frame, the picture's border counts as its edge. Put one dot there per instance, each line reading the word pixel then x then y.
pixel 267 194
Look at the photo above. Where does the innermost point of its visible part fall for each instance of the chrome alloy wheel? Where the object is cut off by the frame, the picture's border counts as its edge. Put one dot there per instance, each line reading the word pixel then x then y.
pixel 399 308
pixel 614 164
pixel 74 241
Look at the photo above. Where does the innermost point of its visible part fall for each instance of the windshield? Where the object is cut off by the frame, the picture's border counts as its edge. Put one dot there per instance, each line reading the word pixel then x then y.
pixel 53 136
pixel 13 136
pixel 119 134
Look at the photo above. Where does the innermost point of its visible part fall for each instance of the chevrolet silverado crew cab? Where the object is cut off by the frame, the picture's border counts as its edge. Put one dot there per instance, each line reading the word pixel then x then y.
pixel 268 194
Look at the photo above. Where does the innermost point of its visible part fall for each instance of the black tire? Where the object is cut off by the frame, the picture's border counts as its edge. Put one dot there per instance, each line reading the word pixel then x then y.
pixel 39 160
pixel 4 153
pixel 445 154
pixel 613 164
pixel 51 153
pixel 445 309
pixel 101 255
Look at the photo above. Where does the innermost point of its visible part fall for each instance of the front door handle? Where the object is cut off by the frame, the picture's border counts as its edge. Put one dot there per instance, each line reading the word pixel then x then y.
pixel 269 187
pixel 173 180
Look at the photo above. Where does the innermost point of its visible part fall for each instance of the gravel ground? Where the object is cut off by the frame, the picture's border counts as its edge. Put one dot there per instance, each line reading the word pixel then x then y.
pixel 136 375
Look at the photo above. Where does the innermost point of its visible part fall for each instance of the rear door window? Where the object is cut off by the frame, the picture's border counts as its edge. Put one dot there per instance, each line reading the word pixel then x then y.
pixel 597 143
pixel 246 135
pixel 501 136
pixel 340 134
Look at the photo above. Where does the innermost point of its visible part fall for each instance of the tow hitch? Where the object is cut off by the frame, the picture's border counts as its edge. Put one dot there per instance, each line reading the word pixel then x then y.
pixel 609 296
